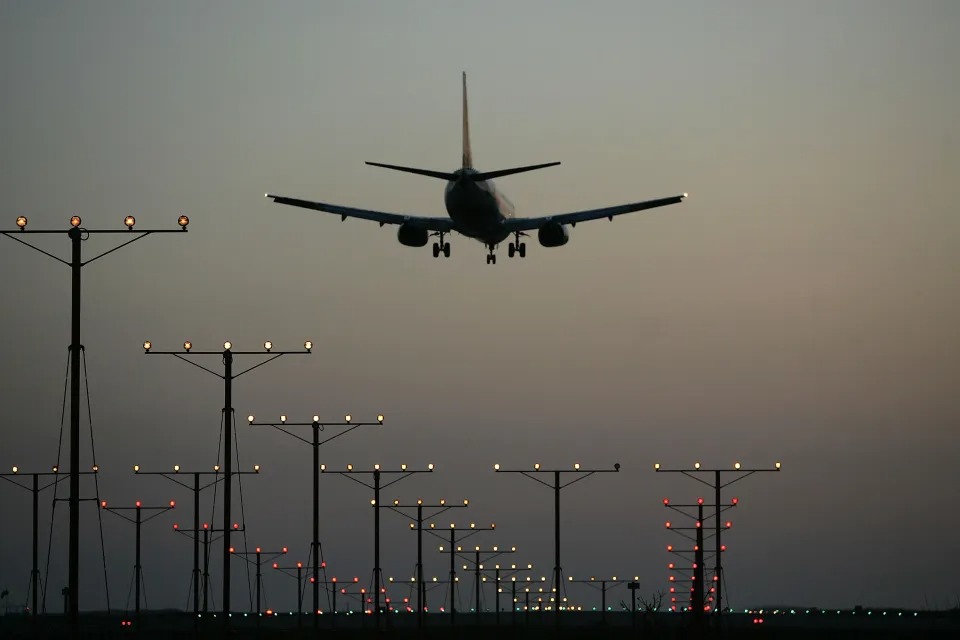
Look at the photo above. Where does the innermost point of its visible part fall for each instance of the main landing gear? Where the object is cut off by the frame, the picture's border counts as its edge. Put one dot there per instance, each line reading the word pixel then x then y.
pixel 441 246
pixel 516 247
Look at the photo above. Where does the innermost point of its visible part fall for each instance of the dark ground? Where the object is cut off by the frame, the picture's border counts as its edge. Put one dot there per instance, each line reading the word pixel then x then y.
pixel 823 626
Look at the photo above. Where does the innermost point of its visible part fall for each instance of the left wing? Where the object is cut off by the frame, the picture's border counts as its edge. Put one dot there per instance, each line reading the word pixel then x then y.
pixel 527 224
pixel 423 222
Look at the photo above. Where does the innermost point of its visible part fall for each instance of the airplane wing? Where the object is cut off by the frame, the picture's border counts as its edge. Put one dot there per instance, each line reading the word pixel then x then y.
pixel 423 222
pixel 527 224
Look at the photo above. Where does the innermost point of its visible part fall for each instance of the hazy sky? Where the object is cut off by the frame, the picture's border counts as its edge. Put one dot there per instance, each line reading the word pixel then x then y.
pixel 801 306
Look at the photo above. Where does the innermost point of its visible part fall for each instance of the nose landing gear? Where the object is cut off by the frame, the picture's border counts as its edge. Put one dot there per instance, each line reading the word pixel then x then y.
pixel 491 256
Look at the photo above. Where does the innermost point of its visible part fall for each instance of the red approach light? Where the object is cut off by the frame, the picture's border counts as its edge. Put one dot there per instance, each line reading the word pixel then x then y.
pixel 258 549
pixel 674 599
pixel 668 524
pixel 173 503
pixel 343 590
pixel 206 525
pixel 103 505
pixel 696 547
pixel 138 504
pixel 723 547
pixel 666 501
pixel 673 589
pixel 406 600
pixel 175 526
pixel 713 590
pixel 231 550
pixel 735 501
pixel 269 612
pixel 284 550
pixel 312 579
pixel 670 566
pixel 673 608
pixel 729 524
pixel 698 524
pixel 356 579
pixel 333 579
pixel 299 565
pixel 236 525
pixel 706 607
pixel 694 565
pixel 672 578
pixel 699 500
pixel 669 547
pixel 276 565
pixel 323 565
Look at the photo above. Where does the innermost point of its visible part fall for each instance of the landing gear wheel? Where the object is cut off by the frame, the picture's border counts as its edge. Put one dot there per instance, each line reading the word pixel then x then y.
pixel 511 250
pixel 446 249
pixel 522 250
pixel 436 249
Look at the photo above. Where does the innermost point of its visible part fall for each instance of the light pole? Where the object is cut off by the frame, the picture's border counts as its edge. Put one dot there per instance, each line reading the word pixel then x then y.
pixel 557 486
pixel 258 554
pixel 35 488
pixel 479 557
pixel 472 530
pixel 418 526
pixel 175 475
pixel 696 556
pixel 316 426
pixel 498 576
pixel 717 485
pixel 77 235
pixel 299 577
pixel 377 472
pixel 603 582
pixel 138 521
pixel 228 376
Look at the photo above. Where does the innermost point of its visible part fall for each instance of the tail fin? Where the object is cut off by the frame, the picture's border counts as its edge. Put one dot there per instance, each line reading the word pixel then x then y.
pixel 467 155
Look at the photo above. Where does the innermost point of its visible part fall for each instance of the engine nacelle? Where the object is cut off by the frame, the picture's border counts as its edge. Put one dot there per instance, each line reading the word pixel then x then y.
pixel 553 234
pixel 411 236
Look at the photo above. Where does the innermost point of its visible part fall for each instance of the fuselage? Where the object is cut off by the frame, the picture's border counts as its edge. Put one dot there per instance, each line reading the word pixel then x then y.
pixel 476 207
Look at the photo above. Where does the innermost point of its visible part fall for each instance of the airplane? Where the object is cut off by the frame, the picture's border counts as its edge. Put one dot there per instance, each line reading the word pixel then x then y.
pixel 477 209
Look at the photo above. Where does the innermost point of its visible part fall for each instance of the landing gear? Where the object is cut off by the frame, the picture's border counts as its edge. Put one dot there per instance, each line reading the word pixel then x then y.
pixel 516 247
pixel 491 256
pixel 441 246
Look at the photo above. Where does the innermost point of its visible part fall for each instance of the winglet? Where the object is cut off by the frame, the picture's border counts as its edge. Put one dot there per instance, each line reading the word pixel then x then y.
pixel 467 155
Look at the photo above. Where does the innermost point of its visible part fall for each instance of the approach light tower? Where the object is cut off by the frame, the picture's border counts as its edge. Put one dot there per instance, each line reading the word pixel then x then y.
pixel 557 486
pixel 417 525
pixel 377 473
pixel 347 426
pixel 176 476
pixel 228 376
pixel 77 234
pixel 739 473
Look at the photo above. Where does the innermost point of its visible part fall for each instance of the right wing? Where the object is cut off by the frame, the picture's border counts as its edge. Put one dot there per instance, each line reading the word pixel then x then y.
pixel 422 222
pixel 528 224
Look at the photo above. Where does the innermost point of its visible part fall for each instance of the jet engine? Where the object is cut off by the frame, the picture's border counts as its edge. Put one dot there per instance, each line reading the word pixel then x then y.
pixel 412 236
pixel 553 234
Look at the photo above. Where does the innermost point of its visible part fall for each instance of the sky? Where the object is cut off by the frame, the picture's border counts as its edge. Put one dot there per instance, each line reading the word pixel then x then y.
pixel 801 306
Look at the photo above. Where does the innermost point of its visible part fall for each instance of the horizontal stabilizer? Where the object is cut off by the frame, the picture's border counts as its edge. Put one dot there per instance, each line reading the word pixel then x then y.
pixel 489 175
pixel 421 172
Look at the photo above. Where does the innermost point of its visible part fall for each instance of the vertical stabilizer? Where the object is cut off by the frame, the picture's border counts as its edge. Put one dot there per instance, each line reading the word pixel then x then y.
pixel 467 155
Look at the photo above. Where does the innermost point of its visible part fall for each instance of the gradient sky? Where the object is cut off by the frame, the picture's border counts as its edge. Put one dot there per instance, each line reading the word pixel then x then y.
pixel 801 306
